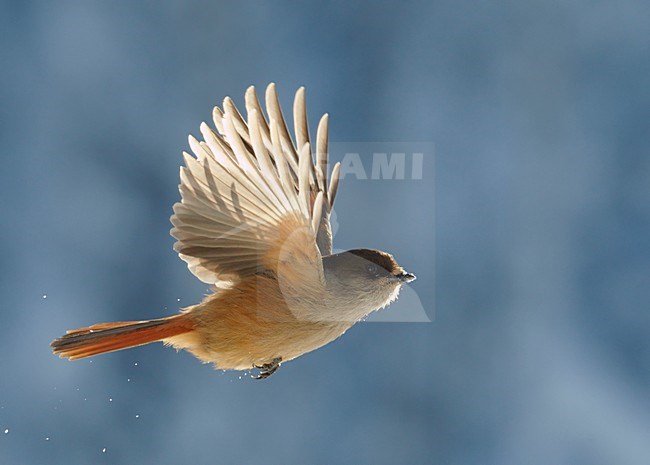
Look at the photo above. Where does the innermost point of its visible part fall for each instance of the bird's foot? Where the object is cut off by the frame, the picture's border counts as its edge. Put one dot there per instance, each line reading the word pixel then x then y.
pixel 267 369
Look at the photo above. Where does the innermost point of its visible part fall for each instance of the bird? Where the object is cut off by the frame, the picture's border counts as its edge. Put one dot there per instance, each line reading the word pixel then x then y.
pixel 253 222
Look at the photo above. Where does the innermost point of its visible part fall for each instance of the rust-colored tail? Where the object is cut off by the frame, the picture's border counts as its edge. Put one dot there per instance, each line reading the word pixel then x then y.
pixel 108 337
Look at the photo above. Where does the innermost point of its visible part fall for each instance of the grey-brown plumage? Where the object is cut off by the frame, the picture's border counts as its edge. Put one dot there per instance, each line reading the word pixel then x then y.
pixel 254 222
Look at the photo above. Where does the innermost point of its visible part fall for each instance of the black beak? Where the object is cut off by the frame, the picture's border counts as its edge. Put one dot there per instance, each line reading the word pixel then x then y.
pixel 405 277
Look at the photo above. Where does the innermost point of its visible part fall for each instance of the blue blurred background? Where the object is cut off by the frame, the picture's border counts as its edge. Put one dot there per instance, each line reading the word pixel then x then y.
pixel 535 218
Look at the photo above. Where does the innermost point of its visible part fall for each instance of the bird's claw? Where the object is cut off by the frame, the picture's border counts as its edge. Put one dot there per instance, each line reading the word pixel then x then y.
pixel 267 369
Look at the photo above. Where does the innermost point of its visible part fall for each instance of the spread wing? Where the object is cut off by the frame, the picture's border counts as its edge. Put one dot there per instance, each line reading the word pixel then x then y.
pixel 320 179
pixel 250 201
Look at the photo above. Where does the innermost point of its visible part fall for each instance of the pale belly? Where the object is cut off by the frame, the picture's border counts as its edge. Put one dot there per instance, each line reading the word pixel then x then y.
pixel 256 345
pixel 233 337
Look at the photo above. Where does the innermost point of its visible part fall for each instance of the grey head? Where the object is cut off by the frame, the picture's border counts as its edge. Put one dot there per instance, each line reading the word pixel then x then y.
pixel 360 281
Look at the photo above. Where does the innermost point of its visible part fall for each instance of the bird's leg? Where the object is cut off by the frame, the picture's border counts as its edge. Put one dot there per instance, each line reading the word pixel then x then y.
pixel 267 369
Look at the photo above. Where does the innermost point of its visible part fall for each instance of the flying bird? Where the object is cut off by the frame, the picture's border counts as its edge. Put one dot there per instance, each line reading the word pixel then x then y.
pixel 254 222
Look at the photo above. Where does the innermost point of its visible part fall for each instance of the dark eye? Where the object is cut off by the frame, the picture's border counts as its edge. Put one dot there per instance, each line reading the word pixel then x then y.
pixel 372 269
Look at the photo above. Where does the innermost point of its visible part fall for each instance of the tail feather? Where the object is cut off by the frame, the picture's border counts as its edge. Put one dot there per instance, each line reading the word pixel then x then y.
pixel 108 337
pixel 114 324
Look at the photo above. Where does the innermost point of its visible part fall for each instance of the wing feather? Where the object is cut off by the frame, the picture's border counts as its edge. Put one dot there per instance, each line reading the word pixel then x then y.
pixel 252 201
pixel 300 124
pixel 321 152
pixel 275 114
pixel 253 105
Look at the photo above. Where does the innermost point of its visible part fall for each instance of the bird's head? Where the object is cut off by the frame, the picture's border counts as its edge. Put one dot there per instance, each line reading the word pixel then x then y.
pixel 364 279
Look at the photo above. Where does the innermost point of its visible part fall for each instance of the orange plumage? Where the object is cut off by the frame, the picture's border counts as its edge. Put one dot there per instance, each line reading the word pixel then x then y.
pixel 109 337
